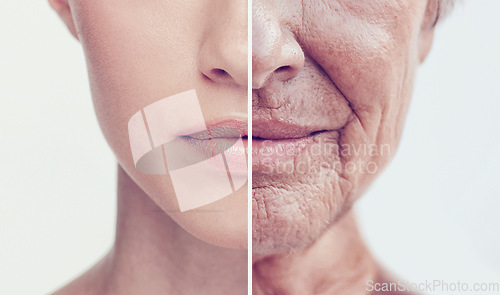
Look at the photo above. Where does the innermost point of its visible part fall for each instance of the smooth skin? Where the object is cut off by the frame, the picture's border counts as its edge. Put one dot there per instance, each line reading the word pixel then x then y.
pixel 139 52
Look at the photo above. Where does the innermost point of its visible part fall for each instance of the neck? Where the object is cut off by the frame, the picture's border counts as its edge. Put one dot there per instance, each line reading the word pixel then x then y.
pixel 338 263
pixel 154 255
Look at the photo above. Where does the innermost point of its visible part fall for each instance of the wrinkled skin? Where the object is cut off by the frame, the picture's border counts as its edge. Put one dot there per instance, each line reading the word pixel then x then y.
pixel 345 68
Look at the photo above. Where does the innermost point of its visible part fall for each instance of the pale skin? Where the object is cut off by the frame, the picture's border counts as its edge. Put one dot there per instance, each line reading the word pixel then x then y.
pixel 360 58
pixel 152 254
pixel 136 55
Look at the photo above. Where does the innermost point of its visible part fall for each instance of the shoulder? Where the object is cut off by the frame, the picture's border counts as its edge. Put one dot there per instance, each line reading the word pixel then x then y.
pixel 91 282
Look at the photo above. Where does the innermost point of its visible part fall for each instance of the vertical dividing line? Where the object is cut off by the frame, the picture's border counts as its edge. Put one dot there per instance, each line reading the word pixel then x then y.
pixel 249 147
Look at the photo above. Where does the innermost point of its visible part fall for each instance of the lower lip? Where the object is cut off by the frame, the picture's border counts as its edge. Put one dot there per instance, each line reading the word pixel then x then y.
pixel 235 156
pixel 265 152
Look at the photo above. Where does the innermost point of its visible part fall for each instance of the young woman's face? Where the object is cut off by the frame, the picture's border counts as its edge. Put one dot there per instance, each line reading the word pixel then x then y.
pixel 139 52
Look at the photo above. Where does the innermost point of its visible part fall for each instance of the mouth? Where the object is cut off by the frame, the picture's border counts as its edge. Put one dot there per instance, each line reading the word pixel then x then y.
pixel 225 138
pixel 276 141
pixel 273 142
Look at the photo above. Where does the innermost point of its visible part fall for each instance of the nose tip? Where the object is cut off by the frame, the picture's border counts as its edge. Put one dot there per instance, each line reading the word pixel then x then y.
pixel 281 68
pixel 226 65
pixel 276 53
pixel 224 52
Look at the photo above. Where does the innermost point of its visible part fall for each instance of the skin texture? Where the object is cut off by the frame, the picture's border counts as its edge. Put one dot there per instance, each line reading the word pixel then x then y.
pixel 152 254
pixel 133 64
pixel 137 53
pixel 344 70
pixel 353 80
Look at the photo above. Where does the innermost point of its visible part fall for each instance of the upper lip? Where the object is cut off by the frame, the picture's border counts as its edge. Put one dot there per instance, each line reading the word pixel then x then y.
pixel 276 130
pixel 219 129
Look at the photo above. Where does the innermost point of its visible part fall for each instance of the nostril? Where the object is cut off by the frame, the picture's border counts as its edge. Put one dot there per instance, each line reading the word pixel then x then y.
pixel 283 69
pixel 284 73
pixel 220 73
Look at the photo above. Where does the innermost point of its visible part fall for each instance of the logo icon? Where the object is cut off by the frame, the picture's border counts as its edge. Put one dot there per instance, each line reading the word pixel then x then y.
pixel 170 136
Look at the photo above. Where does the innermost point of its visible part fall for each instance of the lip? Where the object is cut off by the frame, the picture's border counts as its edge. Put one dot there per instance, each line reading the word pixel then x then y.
pixel 273 142
pixel 226 138
pixel 218 127
pixel 277 141
pixel 280 130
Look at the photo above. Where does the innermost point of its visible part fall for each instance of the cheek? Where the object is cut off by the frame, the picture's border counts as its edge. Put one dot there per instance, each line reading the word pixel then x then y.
pixel 370 56
pixel 133 60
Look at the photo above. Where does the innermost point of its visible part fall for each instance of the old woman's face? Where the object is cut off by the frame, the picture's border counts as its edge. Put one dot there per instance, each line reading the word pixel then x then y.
pixel 332 82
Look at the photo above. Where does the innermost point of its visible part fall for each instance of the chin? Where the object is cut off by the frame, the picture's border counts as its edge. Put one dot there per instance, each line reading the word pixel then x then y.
pixel 223 223
pixel 291 218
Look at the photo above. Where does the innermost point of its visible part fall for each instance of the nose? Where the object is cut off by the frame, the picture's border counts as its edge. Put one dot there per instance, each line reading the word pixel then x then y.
pixel 224 51
pixel 275 52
